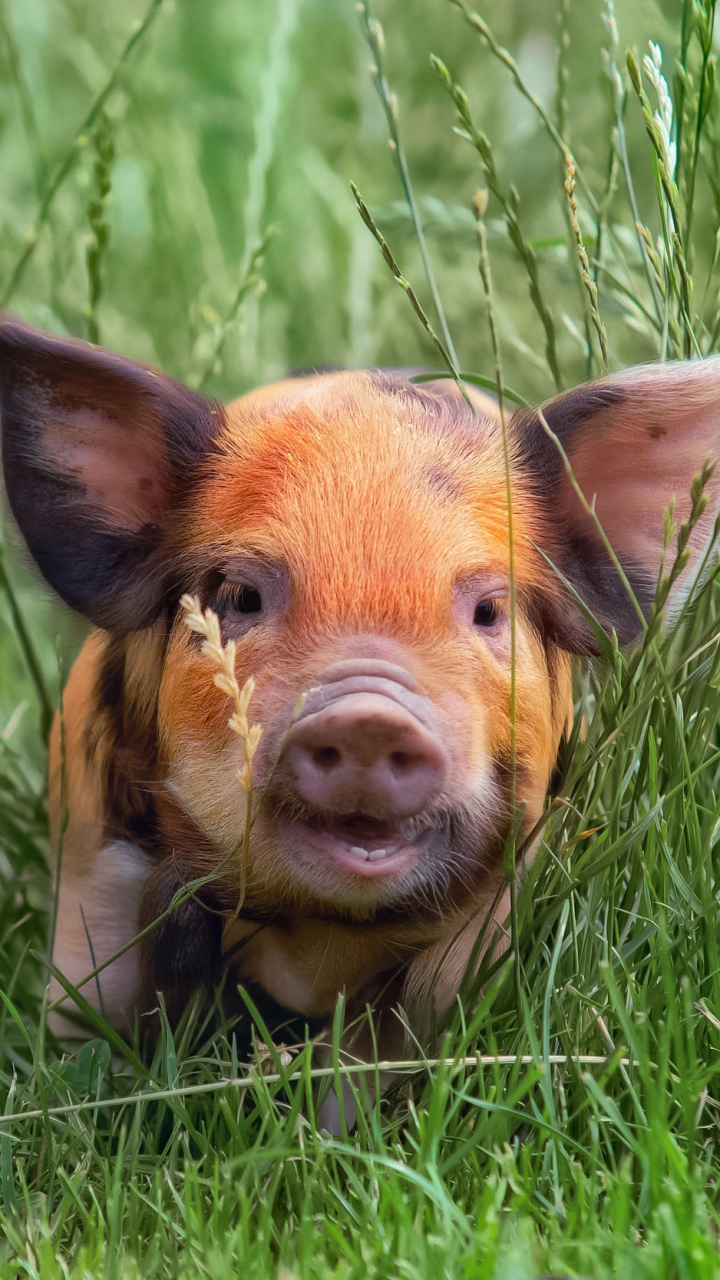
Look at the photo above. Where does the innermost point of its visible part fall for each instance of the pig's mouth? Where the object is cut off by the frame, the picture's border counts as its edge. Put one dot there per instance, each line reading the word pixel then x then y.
pixel 363 844
pixel 363 863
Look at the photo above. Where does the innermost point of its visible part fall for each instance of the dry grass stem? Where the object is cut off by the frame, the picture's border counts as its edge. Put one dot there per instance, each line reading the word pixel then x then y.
pixel 206 623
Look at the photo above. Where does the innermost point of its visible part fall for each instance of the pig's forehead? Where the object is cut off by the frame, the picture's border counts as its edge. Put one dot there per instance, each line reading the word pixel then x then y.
pixel 368 452
pixel 355 432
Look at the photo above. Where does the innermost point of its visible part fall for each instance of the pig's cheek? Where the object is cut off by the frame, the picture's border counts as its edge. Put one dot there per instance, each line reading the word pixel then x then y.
pixel 466 735
pixel 201 757
pixel 205 784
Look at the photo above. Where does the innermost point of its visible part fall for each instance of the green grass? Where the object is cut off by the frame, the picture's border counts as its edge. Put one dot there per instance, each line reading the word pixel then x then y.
pixel 149 178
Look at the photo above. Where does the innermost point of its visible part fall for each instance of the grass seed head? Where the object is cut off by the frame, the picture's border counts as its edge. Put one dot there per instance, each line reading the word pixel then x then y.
pixel 206 623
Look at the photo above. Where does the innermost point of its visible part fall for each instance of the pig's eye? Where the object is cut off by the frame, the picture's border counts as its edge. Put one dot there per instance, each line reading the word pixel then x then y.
pixel 486 613
pixel 247 592
pixel 244 598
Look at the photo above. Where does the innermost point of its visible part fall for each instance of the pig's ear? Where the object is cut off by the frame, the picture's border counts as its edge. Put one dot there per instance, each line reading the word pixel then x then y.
pixel 634 440
pixel 97 451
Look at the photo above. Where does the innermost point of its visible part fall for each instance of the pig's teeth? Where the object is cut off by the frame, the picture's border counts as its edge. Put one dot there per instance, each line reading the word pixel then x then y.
pixel 369 855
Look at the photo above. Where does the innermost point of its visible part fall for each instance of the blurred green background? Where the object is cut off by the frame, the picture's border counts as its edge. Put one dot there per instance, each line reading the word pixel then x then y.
pixel 231 117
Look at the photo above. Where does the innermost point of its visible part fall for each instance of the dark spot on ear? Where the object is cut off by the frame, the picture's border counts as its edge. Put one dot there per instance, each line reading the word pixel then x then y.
pixel 145 483
pixel 656 432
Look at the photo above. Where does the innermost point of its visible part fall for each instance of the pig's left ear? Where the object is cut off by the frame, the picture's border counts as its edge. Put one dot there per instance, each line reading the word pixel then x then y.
pixel 98 453
pixel 634 440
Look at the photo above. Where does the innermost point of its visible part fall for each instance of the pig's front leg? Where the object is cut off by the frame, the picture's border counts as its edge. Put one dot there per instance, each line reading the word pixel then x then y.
pixel 98 913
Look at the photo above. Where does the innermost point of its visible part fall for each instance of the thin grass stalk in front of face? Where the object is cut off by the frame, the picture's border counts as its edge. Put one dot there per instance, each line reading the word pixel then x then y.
pixel 206 623
pixel 479 207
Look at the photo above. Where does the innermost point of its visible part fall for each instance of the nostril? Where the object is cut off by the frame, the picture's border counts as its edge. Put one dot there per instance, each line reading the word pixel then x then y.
pixel 326 757
pixel 401 761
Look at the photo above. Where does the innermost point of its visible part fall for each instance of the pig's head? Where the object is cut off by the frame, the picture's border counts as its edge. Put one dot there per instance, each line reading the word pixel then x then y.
pixel 351 534
pixel 351 531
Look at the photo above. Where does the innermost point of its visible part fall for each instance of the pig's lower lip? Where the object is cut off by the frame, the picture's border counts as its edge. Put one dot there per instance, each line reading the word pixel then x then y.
pixel 365 846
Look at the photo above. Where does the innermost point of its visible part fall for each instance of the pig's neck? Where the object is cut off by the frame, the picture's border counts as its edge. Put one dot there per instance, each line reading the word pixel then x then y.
pixel 306 964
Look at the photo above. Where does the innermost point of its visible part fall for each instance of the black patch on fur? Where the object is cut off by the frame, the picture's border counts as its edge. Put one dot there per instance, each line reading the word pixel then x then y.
pixel 127 737
pixel 285 1025
pixel 436 399
pixel 181 955
pixel 559 769
pixel 444 482
pixel 586 564
pixel 442 408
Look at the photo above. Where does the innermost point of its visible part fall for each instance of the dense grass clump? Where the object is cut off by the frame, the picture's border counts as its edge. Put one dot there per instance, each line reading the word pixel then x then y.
pixel 178 188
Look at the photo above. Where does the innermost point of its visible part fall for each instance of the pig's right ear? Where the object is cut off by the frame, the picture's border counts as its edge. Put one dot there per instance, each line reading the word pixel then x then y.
pixel 97 451
pixel 635 441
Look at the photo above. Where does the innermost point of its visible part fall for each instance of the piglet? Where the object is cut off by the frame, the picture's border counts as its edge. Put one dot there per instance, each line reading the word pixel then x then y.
pixel 351 533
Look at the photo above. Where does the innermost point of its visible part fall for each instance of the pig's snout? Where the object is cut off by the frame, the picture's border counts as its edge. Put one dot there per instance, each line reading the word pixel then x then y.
pixel 367 743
